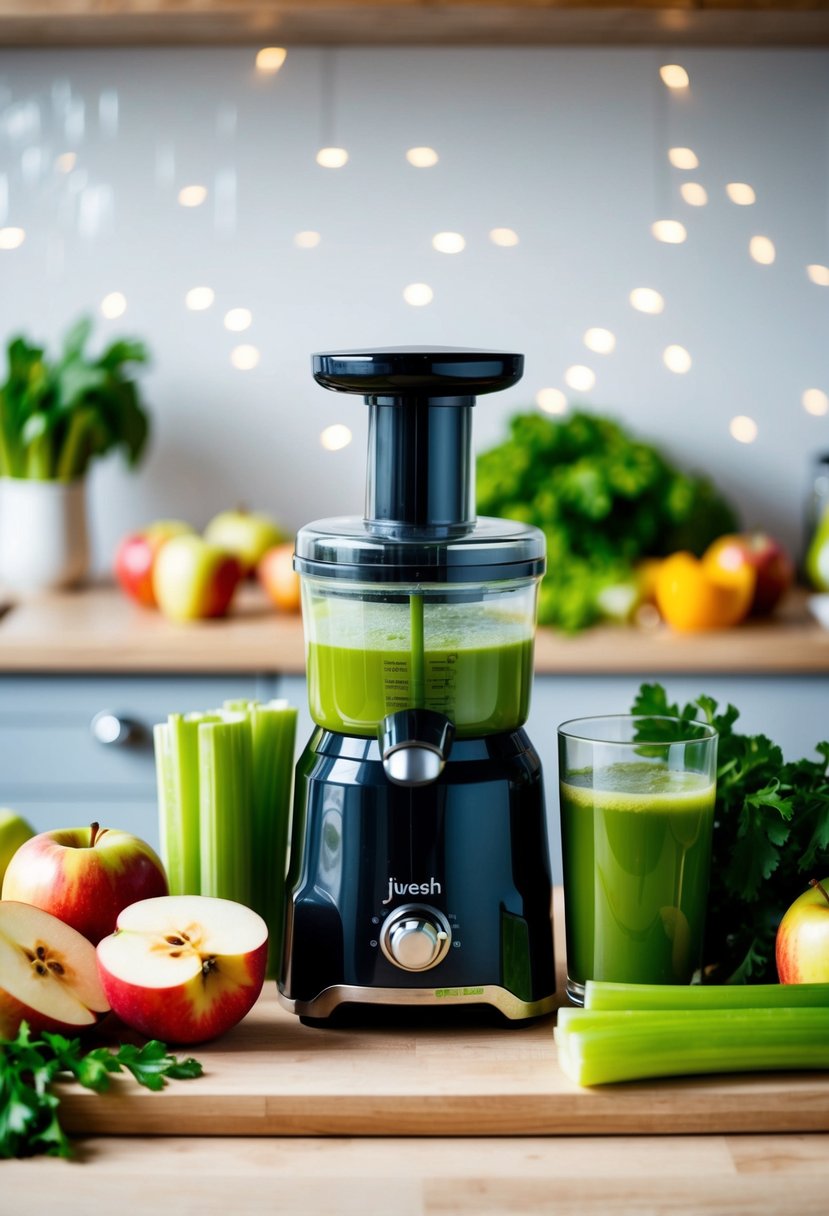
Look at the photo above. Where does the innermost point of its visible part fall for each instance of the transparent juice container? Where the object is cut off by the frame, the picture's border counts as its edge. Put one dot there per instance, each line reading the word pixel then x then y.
pixel 465 651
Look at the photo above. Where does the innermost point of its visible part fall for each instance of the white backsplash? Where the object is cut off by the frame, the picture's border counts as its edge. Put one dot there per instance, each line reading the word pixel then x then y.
pixel 566 147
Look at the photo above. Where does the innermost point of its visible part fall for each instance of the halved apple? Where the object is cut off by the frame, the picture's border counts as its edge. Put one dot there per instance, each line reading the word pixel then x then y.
pixel 48 973
pixel 184 968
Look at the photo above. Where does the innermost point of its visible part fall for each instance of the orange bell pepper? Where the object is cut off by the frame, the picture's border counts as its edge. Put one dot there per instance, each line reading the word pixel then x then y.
pixel 693 596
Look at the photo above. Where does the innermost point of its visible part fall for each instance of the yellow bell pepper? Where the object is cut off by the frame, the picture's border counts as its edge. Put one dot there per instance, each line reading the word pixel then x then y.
pixel 693 596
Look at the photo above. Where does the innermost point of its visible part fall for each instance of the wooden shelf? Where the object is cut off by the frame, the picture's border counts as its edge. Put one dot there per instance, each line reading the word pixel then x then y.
pixel 99 631
pixel 415 22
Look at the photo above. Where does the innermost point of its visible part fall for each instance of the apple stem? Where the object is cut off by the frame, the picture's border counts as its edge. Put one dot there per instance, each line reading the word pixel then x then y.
pixel 813 882
pixel 94 829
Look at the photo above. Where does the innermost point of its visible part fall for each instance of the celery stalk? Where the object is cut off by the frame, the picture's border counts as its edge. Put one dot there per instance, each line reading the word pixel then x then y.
pixel 225 807
pixel 273 729
pixel 177 772
pixel 604 995
pixel 601 1046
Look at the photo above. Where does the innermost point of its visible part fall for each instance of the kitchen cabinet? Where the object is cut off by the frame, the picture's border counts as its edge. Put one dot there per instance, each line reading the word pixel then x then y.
pixel 416 22
pixel 68 657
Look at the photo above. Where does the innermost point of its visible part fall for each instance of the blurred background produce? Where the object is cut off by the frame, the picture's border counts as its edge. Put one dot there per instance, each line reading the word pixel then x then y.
pixel 134 184
pixel 605 500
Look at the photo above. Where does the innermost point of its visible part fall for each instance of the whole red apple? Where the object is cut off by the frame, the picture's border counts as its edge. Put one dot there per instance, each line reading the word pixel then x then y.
pixel 773 567
pixel 184 968
pixel 193 579
pixel 48 973
pixel 84 876
pixel 802 951
pixel 136 554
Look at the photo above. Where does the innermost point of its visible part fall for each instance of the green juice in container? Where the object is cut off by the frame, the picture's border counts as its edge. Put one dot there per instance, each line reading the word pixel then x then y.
pixel 637 815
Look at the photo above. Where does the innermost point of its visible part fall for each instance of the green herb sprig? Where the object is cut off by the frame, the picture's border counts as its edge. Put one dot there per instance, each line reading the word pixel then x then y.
pixel 29 1122
pixel 771 834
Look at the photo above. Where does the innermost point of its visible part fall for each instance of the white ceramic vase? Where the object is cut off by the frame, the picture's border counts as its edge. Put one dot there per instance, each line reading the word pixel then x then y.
pixel 43 534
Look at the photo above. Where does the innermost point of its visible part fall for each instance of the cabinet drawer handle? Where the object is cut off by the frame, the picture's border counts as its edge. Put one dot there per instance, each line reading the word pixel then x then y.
pixel 116 730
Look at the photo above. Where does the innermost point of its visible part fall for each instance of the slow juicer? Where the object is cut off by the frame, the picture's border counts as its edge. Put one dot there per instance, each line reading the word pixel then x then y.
pixel 419 872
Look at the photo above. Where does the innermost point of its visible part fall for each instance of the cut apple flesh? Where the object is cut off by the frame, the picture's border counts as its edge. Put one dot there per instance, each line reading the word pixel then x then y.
pixel 47 969
pixel 164 942
pixel 184 968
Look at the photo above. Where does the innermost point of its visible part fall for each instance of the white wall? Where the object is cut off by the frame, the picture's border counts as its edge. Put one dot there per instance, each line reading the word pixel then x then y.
pixel 567 147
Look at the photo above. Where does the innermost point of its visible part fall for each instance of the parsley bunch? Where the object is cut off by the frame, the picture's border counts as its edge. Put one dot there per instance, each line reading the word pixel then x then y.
pixel 29 1121
pixel 604 500
pixel 771 835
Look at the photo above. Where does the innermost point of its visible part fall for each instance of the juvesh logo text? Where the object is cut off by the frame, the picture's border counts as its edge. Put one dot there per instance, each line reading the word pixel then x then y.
pixel 432 887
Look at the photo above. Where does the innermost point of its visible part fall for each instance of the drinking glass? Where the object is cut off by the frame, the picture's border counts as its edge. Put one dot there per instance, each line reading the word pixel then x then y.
pixel 637 811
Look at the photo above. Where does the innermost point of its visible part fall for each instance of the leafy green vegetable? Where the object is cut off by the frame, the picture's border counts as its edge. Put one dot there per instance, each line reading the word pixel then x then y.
pixel 55 417
pixel 29 1121
pixel 603 499
pixel 771 834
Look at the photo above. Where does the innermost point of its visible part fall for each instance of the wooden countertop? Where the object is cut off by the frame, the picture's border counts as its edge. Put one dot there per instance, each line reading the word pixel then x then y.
pixel 514 1164
pixel 99 631
pixel 486 1176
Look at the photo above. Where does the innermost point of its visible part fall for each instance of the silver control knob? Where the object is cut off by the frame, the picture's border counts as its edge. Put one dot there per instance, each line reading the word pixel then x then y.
pixel 415 938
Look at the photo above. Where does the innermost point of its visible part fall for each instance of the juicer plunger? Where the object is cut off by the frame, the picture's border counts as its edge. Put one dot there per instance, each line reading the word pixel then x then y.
pixel 419 780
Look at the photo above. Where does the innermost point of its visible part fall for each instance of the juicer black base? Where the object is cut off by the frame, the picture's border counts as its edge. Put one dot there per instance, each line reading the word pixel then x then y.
pixel 467 854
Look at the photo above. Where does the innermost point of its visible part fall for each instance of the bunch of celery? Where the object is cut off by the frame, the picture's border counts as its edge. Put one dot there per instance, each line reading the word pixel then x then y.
pixel 224 798
pixel 630 1031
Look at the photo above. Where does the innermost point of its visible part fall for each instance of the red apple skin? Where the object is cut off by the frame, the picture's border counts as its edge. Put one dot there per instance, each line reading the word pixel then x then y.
pixel 190 1012
pixel 277 575
pixel 193 580
pixel 84 885
pixel 773 567
pixel 225 581
pixel 13 1011
pixel 135 557
pixel 802 948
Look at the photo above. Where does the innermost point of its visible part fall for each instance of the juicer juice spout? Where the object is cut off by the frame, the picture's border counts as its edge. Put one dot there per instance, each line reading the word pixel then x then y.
pixel 415 745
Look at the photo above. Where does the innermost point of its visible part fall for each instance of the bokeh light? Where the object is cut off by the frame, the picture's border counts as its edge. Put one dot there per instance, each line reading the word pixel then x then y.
pixel 671 232
pixel 270 59
pixel 693 194
pixel 676 359
pixel 743 429
pixel 418 294
pixel 602 341
pixel 674 76
pixel 815 402
pixel 448 242
pixel 199 298
pixel 332 158
pixel 422 158
pixel 762 250
pixel 308 239
pixel 580 378
pixel 238 319
pixel 741 193
pixel 114 305
pixel 505 237
pixel 244 358
pixel 683 158
pixel 551 400
pixel 335 437
pixel 646 299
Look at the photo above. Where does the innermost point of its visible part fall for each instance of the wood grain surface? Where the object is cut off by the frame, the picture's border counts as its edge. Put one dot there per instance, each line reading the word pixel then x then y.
pixel 273 1076
pixel 532 1176
pixel 99 630
pixel 415 22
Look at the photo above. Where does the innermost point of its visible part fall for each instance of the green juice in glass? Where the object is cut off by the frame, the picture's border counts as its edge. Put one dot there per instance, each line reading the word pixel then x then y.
pixel 636 839
pixel 366 660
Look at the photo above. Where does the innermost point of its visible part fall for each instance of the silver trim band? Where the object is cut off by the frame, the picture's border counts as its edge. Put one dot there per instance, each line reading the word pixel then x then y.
pixel 324 1004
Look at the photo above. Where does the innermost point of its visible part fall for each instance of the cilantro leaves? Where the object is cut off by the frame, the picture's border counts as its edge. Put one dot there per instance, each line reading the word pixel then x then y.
pixel 771 835
pixel 29 1121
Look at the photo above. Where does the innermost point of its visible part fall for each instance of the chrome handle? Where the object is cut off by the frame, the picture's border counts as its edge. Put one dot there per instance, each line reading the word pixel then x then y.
pixel 116 730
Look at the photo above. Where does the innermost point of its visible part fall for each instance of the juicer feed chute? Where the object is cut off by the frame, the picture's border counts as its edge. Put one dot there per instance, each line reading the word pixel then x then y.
pixel 419 780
